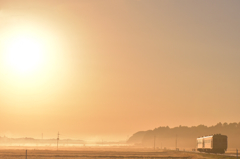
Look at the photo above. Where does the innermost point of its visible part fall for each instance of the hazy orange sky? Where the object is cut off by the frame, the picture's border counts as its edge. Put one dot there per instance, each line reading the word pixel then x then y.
pixel 114 67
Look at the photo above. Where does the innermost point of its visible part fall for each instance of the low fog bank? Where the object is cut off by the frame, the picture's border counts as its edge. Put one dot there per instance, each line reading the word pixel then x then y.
pixel 54 143
pixel 166 137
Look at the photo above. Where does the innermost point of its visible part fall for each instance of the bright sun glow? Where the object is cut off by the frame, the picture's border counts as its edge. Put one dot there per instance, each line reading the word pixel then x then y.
pixel 24 53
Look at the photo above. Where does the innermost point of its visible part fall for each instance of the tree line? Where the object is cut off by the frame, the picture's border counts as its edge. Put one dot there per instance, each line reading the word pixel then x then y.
pixel 185 137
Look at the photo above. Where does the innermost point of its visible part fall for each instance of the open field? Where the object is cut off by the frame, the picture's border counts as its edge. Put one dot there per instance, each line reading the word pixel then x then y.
pixel 109 153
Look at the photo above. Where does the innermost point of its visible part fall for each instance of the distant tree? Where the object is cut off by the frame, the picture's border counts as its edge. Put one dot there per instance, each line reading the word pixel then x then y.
pixel 219 124
pixel 225 124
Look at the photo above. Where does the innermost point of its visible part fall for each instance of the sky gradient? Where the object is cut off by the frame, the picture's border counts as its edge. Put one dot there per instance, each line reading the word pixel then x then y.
pixel 115 67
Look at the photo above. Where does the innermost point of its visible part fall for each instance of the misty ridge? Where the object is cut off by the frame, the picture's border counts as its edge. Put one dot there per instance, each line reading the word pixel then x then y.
pixel 6 141
pixel 52 142
pixel 165 137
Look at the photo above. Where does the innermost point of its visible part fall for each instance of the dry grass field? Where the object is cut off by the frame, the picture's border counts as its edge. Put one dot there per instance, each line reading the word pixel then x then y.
pixel 109 153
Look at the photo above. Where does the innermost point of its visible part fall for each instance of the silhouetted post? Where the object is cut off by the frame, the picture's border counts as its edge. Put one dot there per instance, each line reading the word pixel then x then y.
pixel 154 141
pixel 176 142
pixel 26 154
pixel 57 140
pixel 237 153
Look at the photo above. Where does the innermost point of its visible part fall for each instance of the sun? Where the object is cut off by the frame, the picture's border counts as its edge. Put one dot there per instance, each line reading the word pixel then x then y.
pixel 24 53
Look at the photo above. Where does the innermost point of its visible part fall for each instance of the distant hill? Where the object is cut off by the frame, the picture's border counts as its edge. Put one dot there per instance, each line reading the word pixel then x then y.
pixel 186 136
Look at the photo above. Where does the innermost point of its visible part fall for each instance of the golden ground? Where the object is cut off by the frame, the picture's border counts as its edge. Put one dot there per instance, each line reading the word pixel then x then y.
pixel 103 153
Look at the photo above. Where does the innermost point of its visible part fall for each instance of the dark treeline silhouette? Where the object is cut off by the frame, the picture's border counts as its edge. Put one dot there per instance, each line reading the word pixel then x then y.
pixel 186 136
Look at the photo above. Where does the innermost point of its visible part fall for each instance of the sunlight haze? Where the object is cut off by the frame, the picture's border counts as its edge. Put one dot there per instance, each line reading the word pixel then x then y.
pixel 105 69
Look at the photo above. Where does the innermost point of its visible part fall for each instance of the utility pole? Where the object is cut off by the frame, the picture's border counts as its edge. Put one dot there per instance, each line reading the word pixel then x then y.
pixel 237 153
pixel 42 136
pixel 176 142
pixel 154 141
pixel 26 154
pixel 57 140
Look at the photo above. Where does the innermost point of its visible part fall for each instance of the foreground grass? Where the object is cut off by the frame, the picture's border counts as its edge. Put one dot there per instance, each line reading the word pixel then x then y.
pixel 213 156
pixel 106 154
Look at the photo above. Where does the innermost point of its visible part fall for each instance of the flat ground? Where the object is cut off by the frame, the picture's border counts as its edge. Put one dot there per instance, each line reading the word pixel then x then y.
pixel 104 153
